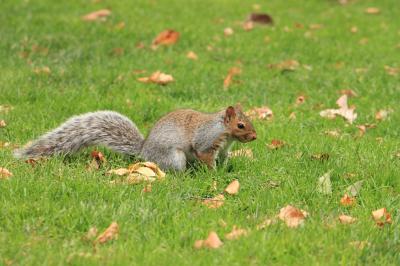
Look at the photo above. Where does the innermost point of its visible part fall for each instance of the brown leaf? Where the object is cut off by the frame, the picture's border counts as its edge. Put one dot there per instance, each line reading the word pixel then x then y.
pixel 288 65
pixel 345 219
pixel 91 234
pixel 333 133
pixel 382 114
pixel 157 78
pixel 212 242
pixel 260 18
pixel 147 188
pixel 348 92
pixel 320 156
pixel 260 113
pixel 354 29
pixel 6 108
pixel 233 187
pixel 381 217
pixel 292 116
pixel 241 153
pixel 166 37
pixel 347 201
pixel 292 216
pixel 264 224
pixel 228 31
pixel 344 110
pixel 234 71
pixel 120 25
pixel 4 173
pixel 119 171
pixel 316 26
pixel 276 144
pixel 109 234
pixel 236 233
pixel 363 128
pixel 97 15
pixel 214 203
pixel 248 25
pixel 300 99
pixel 42 70
pixel 3 123
pixel 393 71
pixel 372 10
pixel 191 55
pixel 360 244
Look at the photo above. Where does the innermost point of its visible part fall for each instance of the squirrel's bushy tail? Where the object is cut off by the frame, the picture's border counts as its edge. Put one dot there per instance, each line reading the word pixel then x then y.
pixel 106 128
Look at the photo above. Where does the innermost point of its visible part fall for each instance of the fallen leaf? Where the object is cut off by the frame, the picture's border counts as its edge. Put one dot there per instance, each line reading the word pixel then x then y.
pixel 363 128
pixel 344 110
pixel 158 78
pixel 320 156
pixel 355 188
pixel 166 37
pixel 119 171
pixel 191 55
pixel 97 15
pixel 120 25
pixel 345 219
pixel 354 29
pixel 333 133
pixel 381 217
pixel 236 233
pixel 91 234
pixel 393 71
pixel 382 114
pixel 234 71
pixel 260 18
pixel 241 153
pixel 248 25
pixel 214 203
pixel 136 178
pixel 324 184
pixel 98 156
pixel 292 216
pixel 292 116
pixel 212 242
pixel 109 234
pixel 146 171
pixel 316 26
pixel 372 10
pixel 118 51
pixel 228 31
pixel 276 144
pixel 42 70
pixel 5 108
pixel 147 188
pixel 288 65
pixel 260 113
pixel 3 123
pixel 233 187
pixel 4 173
pixel 347 201
pixel 360 244
pixel 363 41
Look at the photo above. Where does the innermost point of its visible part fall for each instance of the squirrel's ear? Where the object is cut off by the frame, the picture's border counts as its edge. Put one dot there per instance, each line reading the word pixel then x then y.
pixel 229 114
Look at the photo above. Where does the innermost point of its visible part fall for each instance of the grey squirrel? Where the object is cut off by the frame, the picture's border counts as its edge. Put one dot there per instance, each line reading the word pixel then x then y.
pixel 180 137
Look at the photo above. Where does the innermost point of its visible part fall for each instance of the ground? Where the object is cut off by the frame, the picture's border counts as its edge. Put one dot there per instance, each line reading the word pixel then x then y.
pixel 55 65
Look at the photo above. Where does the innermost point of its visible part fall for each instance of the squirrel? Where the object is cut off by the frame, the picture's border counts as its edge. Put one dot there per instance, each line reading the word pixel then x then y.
pixel 178 138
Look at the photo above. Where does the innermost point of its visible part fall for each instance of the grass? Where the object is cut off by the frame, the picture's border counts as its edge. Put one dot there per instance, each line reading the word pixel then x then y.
pixel 45 210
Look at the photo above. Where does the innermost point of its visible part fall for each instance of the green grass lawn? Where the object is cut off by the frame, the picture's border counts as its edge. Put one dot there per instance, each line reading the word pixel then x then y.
pixel 46 210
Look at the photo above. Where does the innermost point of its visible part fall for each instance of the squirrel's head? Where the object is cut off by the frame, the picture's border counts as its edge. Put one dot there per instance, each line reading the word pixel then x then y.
pixel 239 124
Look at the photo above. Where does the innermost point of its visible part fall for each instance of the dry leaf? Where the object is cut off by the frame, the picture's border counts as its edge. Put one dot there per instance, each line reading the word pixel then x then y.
pixel 212 242
pixel 228 31
pixel 320 156
pixel 345 219
pixel 158 78
pixel 98 156
pixel 236 233
pixel 372 10
pixel 260 113
pixel 333 133
pixel 42 70
pixel 292 216
pixel 316 26
pixel 288 65
pixel 360 244
pixel 363 128
pixel 248 25
pixel 97 15
pixel 91 233
pixel 260 18
pixel 234 71
pixel 324 184
pixel 119 171
pixel 3 123
pixel 264 224
pixel 233 187
pixel 276 144
pixel 109 234
pixel 214 203
pixel 191 55
pixel 4 173
pixel 246 152
pixel 393 71
pixel 167 37
pixel 381 217
pixel 146 171
pixel 355 188
pixel 300 99
pixel 354 29
pixel 382 114
pixel 363 41
pixel 147 188
pixel 5 108
pixel 347 201
pixel 344 110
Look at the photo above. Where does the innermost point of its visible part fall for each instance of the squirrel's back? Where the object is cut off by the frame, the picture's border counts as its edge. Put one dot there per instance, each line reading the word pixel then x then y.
pixel 107 128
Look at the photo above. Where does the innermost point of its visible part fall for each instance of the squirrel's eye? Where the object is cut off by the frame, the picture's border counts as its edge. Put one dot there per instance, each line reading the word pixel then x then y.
pixel 240 125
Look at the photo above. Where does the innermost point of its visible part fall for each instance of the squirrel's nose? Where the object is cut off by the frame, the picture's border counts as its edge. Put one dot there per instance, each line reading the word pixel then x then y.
pixel 253 136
